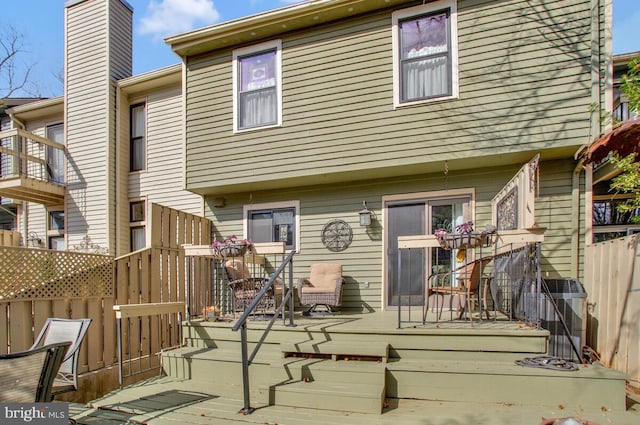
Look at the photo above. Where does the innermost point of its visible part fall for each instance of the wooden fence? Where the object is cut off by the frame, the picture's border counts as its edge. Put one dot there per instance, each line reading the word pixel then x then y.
pixel 36 284
pixel 9 238
pixel 612 282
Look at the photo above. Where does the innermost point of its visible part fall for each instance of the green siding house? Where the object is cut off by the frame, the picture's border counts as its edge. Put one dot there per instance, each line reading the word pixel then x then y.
pixel 423 111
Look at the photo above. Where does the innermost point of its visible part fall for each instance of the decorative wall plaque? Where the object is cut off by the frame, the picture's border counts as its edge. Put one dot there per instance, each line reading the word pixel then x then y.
pixel 336 235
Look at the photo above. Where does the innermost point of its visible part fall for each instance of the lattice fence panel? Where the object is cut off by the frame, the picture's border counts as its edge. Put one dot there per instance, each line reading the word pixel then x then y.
pixel 46 274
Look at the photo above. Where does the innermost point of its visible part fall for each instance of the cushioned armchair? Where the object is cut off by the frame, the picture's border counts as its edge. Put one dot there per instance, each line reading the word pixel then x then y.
pixel 244 287
pixel 322 287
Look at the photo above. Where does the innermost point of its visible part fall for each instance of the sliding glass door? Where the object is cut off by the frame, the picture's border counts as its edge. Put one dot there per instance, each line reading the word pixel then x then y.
pixel 407 270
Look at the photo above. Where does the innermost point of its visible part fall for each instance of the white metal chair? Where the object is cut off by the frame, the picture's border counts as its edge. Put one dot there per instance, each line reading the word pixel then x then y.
pixel 64 330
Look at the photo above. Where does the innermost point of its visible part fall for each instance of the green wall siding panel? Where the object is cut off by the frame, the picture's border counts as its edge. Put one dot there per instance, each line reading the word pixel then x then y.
pixel 363 260
pixel 525 85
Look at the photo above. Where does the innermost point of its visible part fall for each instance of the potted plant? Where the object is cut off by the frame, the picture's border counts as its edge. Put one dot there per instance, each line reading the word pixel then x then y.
pixel 211 313
pixel 232 247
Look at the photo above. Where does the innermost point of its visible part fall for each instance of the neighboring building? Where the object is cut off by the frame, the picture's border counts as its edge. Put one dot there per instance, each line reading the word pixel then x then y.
pixel 96 196
pixel 621 111
pixel 423 111
pixel 608 222
pixel 8 206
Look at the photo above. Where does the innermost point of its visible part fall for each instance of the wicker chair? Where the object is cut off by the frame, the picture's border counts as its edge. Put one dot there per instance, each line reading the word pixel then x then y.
pixel 27 376
pixel 64 330
pixel 322 287
pixel 244 287
pixel 468 278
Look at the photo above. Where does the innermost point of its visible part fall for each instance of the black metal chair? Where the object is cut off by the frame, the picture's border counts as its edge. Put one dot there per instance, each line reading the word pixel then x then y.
pixel 27 376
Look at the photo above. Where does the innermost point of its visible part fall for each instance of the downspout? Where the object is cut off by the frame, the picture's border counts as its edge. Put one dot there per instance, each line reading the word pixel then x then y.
pixel 575 219
pixel 25 230
pixel 594 130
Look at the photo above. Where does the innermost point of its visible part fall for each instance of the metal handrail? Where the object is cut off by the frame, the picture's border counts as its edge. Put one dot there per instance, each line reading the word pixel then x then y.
pixel 241 325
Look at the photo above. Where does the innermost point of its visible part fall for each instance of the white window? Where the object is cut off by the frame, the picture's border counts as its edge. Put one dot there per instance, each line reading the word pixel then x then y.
pixel 55 230
pixel 425 56
pixel 137 217
pixel 257 86
pixel 137 138
pixel 274 222
pixel 55 157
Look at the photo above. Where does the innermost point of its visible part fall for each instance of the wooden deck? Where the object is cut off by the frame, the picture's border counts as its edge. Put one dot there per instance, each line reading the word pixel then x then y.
pixel 169 401
pixel 450 372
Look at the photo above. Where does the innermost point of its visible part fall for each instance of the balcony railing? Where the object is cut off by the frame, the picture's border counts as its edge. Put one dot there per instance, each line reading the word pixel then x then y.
pixel 31 168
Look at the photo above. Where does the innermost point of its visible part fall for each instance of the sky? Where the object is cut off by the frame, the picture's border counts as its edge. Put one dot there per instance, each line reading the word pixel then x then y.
pixel 40 25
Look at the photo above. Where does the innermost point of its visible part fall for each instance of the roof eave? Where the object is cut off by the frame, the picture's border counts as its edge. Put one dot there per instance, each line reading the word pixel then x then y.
pixel 271 23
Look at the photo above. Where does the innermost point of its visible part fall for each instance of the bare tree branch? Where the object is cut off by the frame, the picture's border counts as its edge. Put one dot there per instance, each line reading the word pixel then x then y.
pixel 14 74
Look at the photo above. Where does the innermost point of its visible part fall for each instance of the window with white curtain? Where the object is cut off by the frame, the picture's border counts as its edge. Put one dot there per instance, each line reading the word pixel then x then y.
pixel 257 86
pixel 425 52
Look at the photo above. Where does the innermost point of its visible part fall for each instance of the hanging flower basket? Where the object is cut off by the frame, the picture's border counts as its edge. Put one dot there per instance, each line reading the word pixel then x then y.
pixel 233 250
pixel 232 247
pixel 465 237
pixel 460 240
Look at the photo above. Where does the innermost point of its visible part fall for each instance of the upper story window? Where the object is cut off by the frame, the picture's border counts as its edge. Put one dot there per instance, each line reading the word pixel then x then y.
pixel 137 144
pixel 257 86
pixel 425 59
pixel 55 157
pixel 275 222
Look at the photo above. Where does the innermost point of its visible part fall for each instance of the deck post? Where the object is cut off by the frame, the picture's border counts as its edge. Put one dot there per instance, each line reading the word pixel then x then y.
pixel 119 339
pixel 291 300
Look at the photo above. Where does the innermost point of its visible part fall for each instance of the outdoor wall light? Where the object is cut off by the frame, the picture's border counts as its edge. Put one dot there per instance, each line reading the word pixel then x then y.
pixel 365 215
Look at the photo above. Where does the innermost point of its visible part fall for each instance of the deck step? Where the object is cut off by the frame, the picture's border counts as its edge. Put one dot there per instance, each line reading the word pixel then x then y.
pixel 324 370
pixel 494 382
pixel 220 370
pixel 373 351
pixel 336 396
pixel 316 383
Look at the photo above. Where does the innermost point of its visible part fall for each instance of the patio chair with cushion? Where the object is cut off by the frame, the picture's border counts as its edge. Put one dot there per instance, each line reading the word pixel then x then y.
pixel 27 376
pixel 323 287
pixel 64 330
pixel 244 287
pixel 463 281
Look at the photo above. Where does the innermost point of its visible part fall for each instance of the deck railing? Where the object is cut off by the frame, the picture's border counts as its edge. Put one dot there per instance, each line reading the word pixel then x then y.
pixel 37 284
pixel 515 269
pixel 25 154
pixel 161 324
pixel 241 324
pixel 10 238
pixel 266 277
